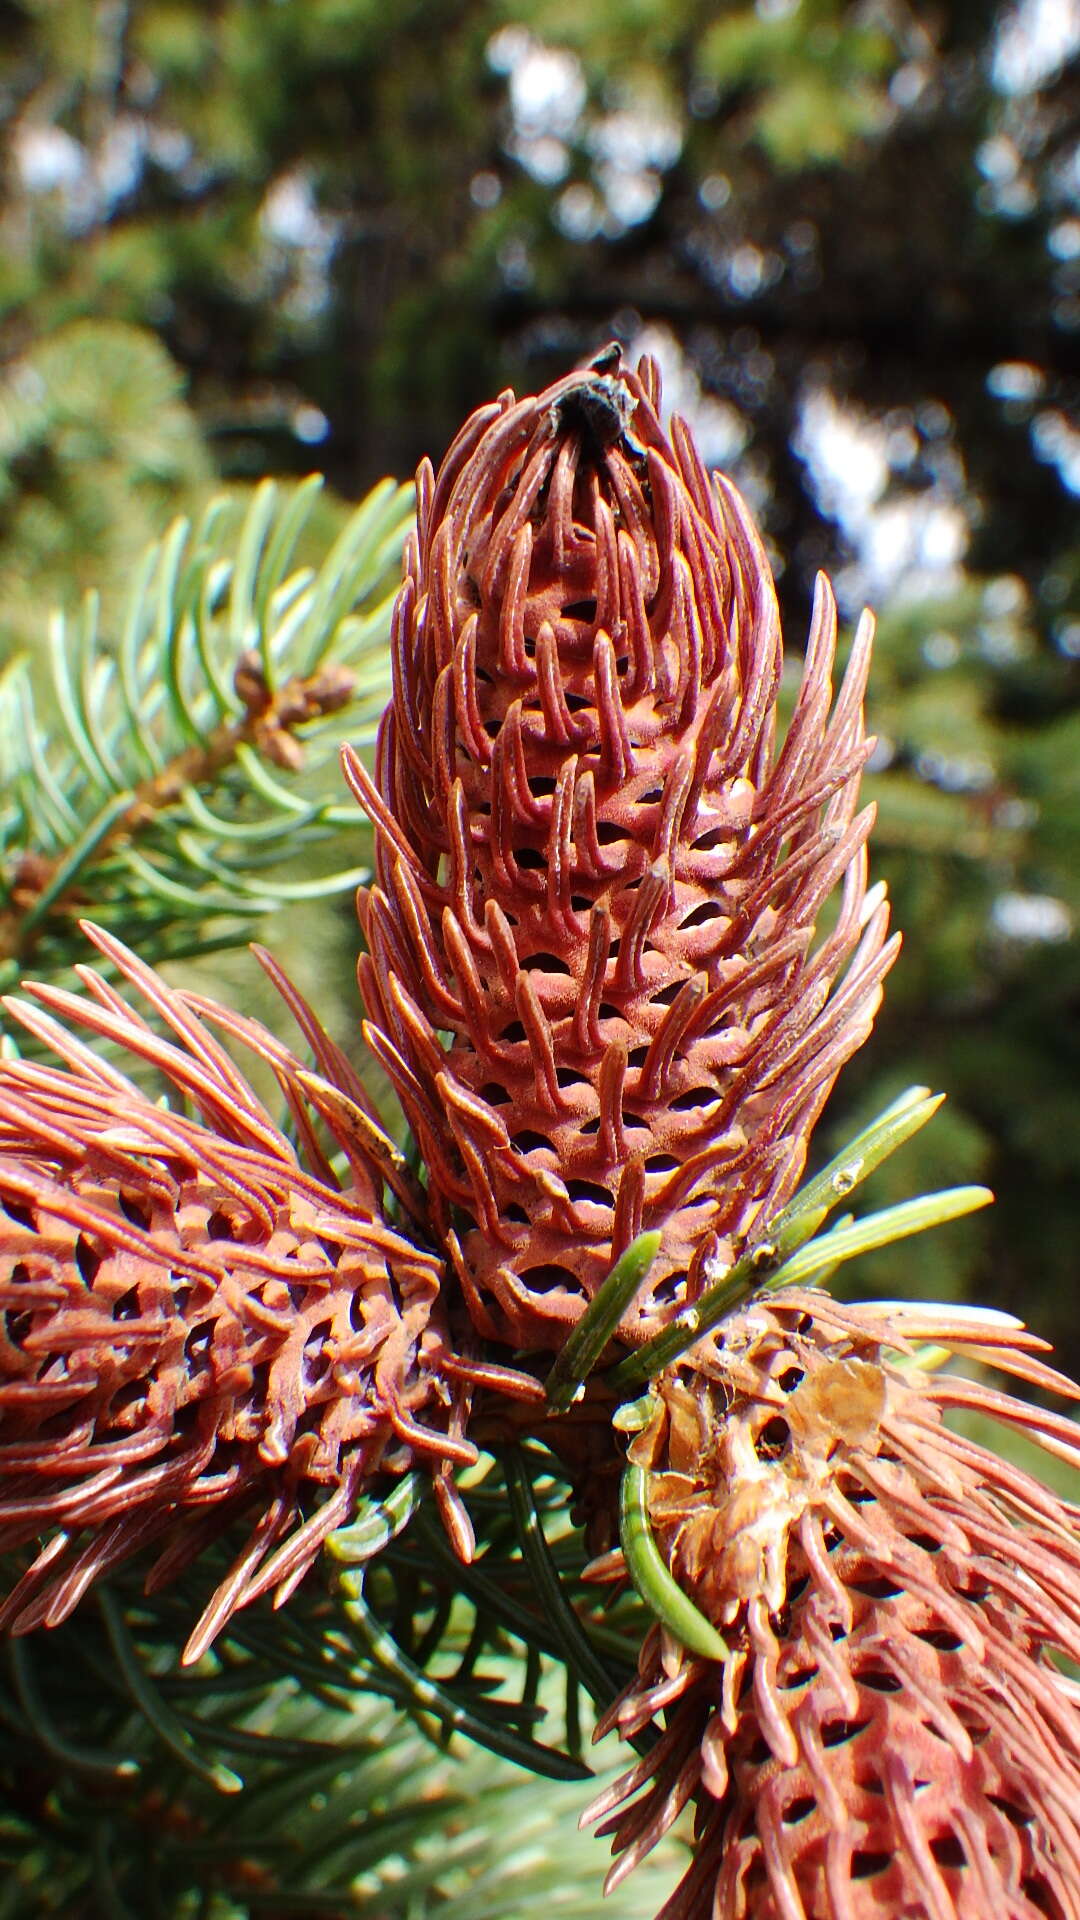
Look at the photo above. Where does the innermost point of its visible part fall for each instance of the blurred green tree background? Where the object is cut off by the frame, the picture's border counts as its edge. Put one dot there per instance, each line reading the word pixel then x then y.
pixel 264 235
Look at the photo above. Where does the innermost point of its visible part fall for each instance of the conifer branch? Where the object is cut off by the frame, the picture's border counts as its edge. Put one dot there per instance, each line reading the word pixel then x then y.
pixel 184 768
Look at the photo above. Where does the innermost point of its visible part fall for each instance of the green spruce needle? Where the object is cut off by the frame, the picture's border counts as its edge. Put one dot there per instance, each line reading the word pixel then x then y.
pixel 652 1581
pixel 566 1381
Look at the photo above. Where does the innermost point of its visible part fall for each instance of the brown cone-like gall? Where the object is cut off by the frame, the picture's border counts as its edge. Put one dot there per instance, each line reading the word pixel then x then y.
pixel 197 1322
pixel 893 1733
pixel 594 975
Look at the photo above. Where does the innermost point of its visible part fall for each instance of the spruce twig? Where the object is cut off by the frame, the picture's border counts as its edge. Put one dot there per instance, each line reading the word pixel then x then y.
pixel 189 764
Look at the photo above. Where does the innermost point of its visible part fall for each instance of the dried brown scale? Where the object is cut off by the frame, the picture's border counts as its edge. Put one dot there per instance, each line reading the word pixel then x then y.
pixel 892 1734
pixel 594 872
pixel 194 1326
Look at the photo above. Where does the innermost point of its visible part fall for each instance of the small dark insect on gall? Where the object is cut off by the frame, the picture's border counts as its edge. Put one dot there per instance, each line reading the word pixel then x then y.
pixel 607 359
pixel 598 407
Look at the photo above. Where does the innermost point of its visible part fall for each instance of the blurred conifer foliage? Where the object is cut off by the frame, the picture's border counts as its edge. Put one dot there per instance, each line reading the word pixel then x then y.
pixel 97 449
pixel 851 234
